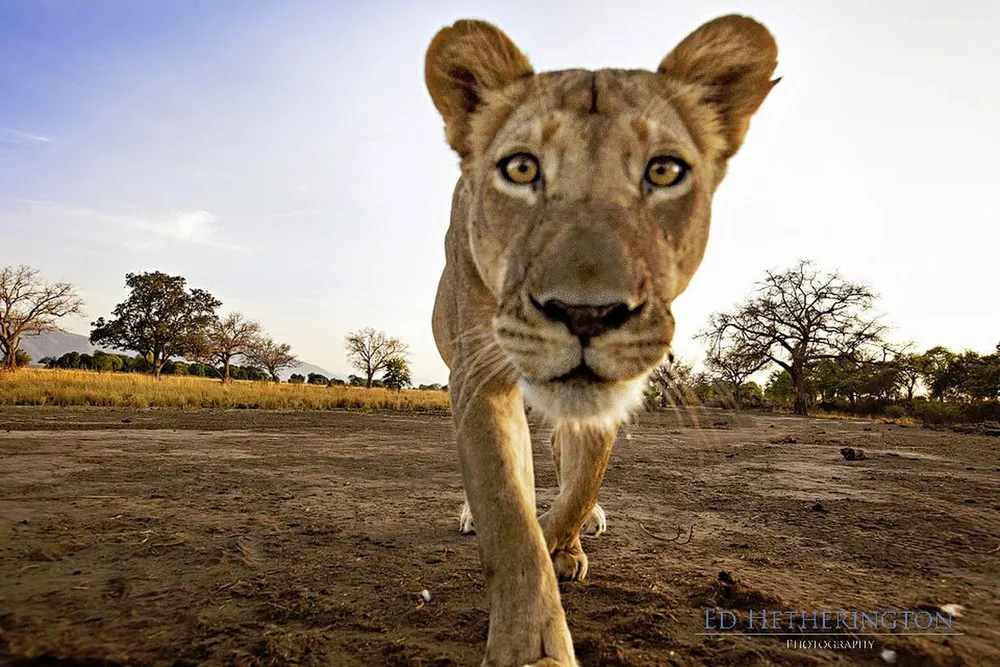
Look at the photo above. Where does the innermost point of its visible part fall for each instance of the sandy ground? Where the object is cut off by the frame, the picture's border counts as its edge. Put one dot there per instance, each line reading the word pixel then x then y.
pixel 267 538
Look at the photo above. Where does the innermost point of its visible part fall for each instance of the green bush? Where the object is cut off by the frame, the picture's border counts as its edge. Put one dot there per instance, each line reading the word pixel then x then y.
pixel 895 412
pixel 935 413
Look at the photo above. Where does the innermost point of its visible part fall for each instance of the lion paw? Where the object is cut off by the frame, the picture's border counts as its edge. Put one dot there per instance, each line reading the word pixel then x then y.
pixel 596 523
pixel 570 564
pixel 466 525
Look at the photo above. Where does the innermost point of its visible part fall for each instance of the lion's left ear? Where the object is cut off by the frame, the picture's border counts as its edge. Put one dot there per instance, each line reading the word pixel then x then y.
pixel 463 63
pixel 732 58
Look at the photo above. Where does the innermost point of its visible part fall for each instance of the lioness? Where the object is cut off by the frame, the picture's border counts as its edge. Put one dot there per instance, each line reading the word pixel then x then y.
pixel 581 213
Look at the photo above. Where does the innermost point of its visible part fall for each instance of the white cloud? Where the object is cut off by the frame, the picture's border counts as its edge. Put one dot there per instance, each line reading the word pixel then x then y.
pixel 10 135
pixel 192 227
pixel 195 225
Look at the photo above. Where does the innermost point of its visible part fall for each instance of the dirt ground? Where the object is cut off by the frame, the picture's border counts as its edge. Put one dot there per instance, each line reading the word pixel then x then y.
pixel 269 538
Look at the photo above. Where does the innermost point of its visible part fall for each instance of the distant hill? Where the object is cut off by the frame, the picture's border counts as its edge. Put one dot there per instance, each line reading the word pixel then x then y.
pixel 305 368
pixel 55 344
pixel 58 343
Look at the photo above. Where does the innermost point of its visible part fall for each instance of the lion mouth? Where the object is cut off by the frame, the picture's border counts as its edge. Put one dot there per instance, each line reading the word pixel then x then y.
pixel 582 373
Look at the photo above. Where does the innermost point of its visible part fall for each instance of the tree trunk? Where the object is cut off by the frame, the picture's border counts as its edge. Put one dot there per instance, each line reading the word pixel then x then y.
pixel 801 399
pixel 225 370
pixel 368 381
pixel 10 354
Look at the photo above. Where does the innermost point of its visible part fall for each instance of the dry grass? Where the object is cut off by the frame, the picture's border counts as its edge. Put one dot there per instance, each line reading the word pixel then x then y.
pixel 835 415
pixel 65 388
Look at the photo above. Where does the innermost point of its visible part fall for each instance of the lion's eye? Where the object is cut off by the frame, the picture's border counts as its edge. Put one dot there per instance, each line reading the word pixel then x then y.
pixel 520 168
pixel 665 171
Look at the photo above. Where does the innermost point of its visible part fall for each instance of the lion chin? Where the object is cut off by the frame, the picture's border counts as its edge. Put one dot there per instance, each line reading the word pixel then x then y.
pixel 583 402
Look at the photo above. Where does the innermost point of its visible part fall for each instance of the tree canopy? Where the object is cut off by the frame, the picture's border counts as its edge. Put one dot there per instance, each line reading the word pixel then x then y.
pixel 271 356
pixel 159 319
pixel 397 374
pixel 228 337
pixel 371 351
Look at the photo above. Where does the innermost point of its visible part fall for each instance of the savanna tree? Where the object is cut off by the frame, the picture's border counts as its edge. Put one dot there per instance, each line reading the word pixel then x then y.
pixel 371 351
pixel 30 306
pixel 271 356
pixel 733 362
pixel 159 319
pixel 229 337
pixel 397 374
pixel 797 317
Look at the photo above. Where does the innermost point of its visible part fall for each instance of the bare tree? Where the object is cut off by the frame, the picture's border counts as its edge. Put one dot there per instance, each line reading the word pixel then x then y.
pixel 29 306
pixel 271 356
pixel 733 363
pixel 372 351
pixel 798 316
pixel 671 383
pixel 229 337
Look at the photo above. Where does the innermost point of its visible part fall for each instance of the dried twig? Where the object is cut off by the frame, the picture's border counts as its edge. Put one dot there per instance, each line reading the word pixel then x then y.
pixel 676 538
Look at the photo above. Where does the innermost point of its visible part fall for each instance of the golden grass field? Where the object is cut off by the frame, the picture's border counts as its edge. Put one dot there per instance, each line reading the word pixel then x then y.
pixel 33 386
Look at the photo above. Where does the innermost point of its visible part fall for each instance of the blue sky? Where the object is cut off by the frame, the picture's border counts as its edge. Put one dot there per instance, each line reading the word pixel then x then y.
pixel 286 156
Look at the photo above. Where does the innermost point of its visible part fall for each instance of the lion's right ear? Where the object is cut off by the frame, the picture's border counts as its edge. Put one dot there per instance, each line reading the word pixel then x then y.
pixel 463 63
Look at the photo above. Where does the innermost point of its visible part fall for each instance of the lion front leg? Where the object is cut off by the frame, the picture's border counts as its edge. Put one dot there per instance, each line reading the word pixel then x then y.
pixel 467 524
pixel 527 623
pixel 581 456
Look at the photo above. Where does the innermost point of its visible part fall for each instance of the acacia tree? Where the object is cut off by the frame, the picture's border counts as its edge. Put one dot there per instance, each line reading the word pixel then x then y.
pixel 371 351
pixel 229 337
pixel 160 319
pixel 272 357
pixel 798 316
pixel 29 306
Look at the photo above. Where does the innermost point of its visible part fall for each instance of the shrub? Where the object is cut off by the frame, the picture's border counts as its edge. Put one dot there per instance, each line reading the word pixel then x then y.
pixel 935 413
pixel 895 412
pixel 983 412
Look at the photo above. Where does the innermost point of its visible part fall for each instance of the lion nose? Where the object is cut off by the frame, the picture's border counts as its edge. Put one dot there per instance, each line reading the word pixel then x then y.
pixel 587 321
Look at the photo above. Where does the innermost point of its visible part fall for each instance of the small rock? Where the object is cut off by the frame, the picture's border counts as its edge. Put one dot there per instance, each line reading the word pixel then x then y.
pixel 126 421
pixel 852 454
pixel 888 655
pixel 426 595
pixel 821 508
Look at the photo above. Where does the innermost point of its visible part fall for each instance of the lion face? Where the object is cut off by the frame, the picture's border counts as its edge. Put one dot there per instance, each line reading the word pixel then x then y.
pixel 590 197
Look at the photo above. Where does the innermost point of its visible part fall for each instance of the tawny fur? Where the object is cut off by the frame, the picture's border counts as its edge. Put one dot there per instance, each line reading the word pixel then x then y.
pixel 590 233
